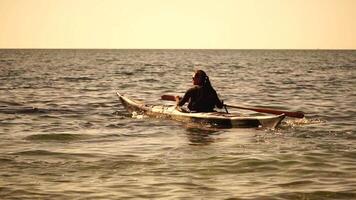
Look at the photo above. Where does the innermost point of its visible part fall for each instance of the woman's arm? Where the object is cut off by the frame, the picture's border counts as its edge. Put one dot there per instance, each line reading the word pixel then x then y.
pixel 218 103
pixel 186 97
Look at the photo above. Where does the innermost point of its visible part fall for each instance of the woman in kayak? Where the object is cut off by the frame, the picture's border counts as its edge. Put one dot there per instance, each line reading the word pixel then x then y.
pixel 202 97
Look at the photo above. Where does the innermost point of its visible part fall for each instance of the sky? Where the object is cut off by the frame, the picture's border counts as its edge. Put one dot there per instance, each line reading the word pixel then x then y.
pixel 178 24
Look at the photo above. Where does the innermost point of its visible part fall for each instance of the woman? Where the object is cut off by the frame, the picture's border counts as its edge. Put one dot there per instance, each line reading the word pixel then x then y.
pixel 202 97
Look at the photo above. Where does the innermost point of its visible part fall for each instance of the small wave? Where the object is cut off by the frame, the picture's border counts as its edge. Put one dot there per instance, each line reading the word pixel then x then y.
pixel 317 195
pixel 7 60
pixel 56 137
pixel 74 79
pixel 115 125
pixel 10 103
pixel 124 64
pixel 126 73
pixel 21 110
pixel 154 65
pixel 4 160
pixel 296 183
pixel 236 66
pixel 37 153
pixel 32 110
pixel 150 80
pixel 53 154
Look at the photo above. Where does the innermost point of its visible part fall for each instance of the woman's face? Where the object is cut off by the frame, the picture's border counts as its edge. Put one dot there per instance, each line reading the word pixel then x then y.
pixel 196 79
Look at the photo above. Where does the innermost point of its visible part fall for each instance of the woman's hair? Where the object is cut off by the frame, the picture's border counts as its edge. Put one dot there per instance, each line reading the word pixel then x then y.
pixel 204 79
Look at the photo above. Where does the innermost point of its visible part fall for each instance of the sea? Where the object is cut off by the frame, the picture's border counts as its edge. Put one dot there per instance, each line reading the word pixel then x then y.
pixel 65 135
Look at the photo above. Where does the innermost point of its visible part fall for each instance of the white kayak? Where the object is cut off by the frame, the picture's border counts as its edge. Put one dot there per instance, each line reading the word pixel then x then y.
pixel 216 119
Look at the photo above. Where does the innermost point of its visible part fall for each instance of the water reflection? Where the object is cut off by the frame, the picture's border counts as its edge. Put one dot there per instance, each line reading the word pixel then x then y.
pixel 200 135
pixel 76 91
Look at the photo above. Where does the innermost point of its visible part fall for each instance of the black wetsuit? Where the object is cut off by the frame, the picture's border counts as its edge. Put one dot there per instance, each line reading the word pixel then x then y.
pixel 201 99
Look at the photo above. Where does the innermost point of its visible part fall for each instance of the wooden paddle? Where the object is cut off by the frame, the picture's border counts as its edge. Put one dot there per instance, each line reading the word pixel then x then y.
pixel 298 114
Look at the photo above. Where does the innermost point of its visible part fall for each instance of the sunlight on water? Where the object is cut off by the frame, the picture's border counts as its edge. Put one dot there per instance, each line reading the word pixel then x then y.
pixel 65 135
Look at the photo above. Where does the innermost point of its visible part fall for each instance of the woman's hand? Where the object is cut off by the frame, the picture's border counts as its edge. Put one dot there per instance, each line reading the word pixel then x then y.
pixel 177 98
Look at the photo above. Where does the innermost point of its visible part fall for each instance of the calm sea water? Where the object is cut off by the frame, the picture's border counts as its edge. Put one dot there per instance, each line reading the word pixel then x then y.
pixel 65 135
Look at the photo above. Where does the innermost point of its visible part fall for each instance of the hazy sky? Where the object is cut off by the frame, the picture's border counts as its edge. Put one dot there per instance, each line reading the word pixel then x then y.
pixel 221 24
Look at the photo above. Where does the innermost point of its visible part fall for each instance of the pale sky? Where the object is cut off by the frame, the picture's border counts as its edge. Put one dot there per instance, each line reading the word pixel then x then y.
pixel 178 24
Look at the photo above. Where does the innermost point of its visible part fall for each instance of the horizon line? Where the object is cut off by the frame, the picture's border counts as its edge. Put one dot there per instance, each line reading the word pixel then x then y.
pixel 291 49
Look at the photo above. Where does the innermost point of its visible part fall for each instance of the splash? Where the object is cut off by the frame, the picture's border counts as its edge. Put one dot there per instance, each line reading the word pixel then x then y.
pixel 302 122
pixel 137 115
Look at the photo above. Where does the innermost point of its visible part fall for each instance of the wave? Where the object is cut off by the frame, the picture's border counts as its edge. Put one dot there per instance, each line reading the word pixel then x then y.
pixel 154 65
pixel 21 110
pixel 65 137
pixel 52 153
pixel 74 79
pixel 32 110
pixel 11 103
pixel 330 195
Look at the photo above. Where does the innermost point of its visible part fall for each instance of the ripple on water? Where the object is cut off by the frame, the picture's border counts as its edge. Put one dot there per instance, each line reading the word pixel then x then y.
pixel 41 157
pixel 319 194
pixel 116 155
pixel 57 137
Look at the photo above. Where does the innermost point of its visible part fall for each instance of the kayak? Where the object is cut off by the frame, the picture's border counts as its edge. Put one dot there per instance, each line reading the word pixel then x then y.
pixel 215 119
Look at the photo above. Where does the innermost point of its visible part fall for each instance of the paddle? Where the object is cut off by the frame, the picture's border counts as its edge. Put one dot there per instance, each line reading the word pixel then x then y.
pixel 298 114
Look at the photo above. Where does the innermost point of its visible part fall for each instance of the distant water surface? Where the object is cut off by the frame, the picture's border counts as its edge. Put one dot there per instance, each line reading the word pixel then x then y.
pixel 65 135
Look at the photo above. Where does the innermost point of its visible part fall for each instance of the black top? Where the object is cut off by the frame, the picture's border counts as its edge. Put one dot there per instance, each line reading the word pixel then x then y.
pixel 201 99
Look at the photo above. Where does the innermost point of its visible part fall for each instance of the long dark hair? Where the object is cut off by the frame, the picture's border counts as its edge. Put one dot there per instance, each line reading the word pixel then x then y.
pixel 205 82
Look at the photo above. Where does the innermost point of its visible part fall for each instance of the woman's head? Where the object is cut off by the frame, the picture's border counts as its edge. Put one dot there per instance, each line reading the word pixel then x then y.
pixel 200 78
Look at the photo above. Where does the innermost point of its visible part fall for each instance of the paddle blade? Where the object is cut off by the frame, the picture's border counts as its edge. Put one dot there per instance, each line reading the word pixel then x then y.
pixel 298 114
pixel 168 97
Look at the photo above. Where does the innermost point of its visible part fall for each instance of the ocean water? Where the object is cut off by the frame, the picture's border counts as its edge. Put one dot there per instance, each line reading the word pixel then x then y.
pixel 65 135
